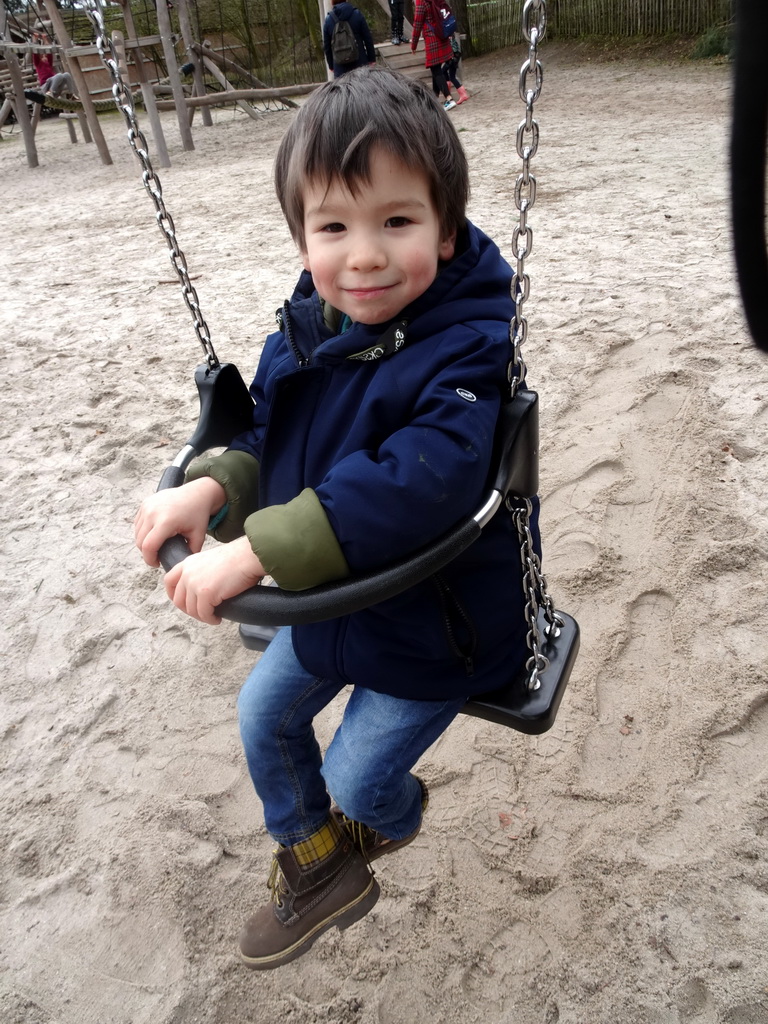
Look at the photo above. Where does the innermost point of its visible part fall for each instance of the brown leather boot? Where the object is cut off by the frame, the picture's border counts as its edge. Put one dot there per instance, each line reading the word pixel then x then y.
pixel 307 902
pixel 373 844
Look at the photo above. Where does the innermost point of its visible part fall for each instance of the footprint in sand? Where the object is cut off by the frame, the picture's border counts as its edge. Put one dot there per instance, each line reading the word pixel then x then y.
pixel 569 543
pixel 629 708
pixel 695 1004
pixel 508 972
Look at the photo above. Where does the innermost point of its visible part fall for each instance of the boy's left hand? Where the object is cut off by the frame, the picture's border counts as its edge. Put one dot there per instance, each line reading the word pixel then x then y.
pixel 202 581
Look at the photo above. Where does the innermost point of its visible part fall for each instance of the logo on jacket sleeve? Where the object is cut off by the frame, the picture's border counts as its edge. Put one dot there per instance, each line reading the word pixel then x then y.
pixel 466 395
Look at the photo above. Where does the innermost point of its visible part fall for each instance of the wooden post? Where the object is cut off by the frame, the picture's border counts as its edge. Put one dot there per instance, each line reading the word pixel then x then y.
pixel 249 110
pixel 68 119
pixel 4 112
pixel 19 102
pixel 325 6
pixel 82 86
pixel 84 127
pixel 37 112
pixel 186 34
pixel 164 27
pixel 20 105
pixel 147 91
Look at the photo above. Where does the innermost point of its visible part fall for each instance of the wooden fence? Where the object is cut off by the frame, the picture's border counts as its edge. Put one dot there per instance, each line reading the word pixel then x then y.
pixel 492 24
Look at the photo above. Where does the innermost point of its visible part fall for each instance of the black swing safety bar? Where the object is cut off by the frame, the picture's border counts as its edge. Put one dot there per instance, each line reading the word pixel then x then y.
pixel 225 410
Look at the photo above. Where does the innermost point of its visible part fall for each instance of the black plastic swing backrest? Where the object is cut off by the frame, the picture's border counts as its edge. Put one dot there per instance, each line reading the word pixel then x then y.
pixel 516 446
pixel 226 407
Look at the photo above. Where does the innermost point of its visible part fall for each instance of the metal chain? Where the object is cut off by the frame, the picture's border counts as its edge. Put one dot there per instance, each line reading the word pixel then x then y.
pixel 534 24
pixel 151 182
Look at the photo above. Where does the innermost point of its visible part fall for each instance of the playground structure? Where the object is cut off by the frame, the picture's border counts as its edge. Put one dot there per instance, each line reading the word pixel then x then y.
pixel 167 70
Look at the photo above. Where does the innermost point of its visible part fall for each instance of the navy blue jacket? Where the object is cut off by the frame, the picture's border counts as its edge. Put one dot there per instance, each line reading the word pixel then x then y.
pixel 397 448
pixel 346 12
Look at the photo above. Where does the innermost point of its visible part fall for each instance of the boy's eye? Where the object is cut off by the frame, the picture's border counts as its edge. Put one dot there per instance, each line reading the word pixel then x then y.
pixel 398 222
pixel 333 228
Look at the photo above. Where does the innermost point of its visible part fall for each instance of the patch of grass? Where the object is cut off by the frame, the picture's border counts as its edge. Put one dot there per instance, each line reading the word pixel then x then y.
pixel 716 42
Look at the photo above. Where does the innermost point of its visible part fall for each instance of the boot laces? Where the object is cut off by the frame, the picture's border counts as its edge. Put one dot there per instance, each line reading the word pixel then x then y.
pixel 363 836
pixel 276 882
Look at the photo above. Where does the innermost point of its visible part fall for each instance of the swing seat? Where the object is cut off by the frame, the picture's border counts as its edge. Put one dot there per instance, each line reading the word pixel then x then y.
pixel 528 710
pixel 226 409
pixel 516 705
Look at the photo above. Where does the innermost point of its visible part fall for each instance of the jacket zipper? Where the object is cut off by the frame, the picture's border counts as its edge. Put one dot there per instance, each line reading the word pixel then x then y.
pixel 448 601
pixel 283 318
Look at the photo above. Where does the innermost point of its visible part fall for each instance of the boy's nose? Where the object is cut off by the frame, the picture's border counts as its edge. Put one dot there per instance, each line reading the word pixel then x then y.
pixel 365 253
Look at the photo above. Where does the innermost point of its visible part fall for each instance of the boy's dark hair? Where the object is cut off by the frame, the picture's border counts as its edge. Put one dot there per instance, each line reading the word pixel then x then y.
pixel 335 131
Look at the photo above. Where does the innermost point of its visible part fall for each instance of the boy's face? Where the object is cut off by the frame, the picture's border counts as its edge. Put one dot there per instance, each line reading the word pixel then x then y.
pixel 373 253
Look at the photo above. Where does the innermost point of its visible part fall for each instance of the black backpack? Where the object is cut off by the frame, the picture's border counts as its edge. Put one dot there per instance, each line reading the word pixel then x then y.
pixel 343 42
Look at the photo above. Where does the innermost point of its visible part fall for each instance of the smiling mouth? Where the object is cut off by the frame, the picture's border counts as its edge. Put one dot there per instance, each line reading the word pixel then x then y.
pixel 369 293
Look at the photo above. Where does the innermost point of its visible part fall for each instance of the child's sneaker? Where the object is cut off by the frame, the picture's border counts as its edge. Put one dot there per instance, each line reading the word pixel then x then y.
pixel 449 104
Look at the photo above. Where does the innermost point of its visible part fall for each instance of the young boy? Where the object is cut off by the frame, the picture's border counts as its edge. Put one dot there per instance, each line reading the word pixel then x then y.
pixel 375 408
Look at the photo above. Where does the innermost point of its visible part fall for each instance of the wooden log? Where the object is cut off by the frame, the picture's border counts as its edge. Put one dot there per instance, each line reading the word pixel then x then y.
pixel 89 111
pixel 227 64
pixel 213 99
pixel 164 24
pixel 249 110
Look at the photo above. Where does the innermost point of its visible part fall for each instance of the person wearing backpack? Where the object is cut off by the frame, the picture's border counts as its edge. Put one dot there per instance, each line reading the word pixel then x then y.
pixel 428 20
pixel 347 40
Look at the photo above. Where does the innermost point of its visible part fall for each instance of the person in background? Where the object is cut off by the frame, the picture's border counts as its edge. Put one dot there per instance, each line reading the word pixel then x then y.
pixel 50 81
pixel 451 72
pixel 366 54
pixel 397 14
pixel 437 51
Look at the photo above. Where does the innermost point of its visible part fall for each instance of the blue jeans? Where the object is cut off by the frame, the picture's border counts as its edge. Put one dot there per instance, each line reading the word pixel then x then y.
pixel 366 768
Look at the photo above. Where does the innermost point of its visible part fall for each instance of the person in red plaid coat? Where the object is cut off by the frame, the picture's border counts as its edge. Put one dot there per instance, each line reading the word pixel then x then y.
pixel 438 51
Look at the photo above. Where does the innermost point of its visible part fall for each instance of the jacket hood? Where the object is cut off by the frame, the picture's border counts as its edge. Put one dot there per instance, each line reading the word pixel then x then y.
pixel 343 11
pixel 477 273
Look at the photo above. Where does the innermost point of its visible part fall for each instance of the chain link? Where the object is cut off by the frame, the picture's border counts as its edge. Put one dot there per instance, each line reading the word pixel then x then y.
pixel 151 182
pixel 537 597
pixel 534 23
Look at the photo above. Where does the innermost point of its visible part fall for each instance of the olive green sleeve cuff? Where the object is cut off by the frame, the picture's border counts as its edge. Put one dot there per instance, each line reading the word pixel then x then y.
pixel 296 544
pixel 238 474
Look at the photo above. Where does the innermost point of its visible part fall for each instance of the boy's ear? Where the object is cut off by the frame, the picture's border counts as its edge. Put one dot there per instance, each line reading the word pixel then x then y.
pixel 305 261
pixel 447 247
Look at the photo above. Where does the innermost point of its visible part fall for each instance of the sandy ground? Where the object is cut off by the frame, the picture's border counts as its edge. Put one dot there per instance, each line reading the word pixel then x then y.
pixel 613 870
